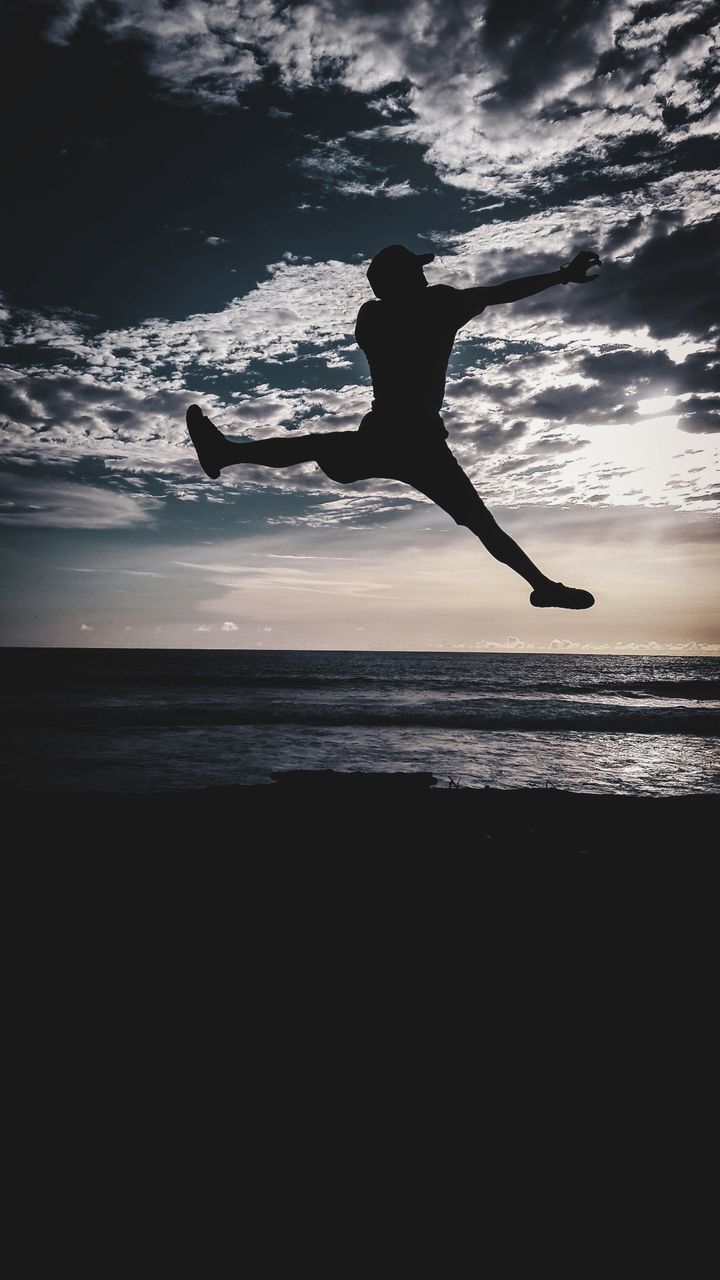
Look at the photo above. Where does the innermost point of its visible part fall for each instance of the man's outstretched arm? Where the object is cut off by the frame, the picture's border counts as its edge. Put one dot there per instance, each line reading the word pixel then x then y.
pixel 513 290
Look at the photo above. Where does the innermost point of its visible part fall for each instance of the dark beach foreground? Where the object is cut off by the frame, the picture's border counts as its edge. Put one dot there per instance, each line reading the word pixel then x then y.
pixel 326 892
pixel 392 814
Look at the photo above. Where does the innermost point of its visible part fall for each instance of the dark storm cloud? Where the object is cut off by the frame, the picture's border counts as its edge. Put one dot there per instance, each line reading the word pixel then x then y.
pixel 533 44
pixel 619 380
pixel 652 372
pixel 670 287
pixel 15 407
pixel 467 388
pixel 700 414
pixel 490 438
pixel 48 400
pixel 641 227
pixel 579 404
pixel 672 284
pixel 41 399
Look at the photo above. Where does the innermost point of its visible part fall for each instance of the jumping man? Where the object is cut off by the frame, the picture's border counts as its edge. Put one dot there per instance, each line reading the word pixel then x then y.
pixel 407 333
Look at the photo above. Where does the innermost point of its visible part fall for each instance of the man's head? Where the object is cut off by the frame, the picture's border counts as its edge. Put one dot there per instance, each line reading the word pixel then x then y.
pixel 395 271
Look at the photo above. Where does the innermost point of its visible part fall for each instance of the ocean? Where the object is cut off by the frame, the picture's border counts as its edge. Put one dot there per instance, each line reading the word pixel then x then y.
pixel 124 720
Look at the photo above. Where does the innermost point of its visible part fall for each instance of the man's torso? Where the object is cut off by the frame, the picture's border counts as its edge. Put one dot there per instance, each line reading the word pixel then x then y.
pixel 408 345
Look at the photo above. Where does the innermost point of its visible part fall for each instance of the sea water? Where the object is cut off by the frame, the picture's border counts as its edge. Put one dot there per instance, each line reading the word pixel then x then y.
pixel 156 720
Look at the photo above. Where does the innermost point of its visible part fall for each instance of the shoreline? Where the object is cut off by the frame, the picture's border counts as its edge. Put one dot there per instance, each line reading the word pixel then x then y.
pixel 381 813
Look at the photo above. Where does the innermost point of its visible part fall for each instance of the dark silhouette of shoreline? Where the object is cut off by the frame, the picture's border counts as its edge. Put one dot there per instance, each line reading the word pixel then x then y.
pixel 367 815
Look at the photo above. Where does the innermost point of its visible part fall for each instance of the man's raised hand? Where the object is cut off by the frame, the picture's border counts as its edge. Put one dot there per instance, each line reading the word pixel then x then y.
pixel 575 271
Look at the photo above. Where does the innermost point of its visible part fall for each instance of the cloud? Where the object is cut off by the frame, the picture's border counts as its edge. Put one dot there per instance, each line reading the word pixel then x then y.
pixel 700 414
pixel 332 162
pixel 274 579
pixel 62 504
pixel 390 191
pixel 64 22
pixel 670 287
pixel 640 370
pixel 497 95
pixel 228 626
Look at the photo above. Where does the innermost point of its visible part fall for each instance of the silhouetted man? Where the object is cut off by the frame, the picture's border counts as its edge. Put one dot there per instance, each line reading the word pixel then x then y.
pixel 407 333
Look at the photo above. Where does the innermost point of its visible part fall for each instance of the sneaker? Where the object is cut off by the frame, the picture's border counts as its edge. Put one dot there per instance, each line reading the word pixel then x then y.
pixel 209 442
pixel 557 596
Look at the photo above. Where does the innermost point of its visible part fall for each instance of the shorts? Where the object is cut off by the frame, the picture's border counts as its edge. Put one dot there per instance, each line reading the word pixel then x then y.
pixel 420 458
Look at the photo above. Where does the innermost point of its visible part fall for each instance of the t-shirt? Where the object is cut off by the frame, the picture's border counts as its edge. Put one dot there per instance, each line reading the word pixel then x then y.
pixel 407 343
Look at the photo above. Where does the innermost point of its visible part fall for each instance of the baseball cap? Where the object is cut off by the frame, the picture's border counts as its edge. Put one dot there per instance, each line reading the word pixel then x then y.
pixel 391 264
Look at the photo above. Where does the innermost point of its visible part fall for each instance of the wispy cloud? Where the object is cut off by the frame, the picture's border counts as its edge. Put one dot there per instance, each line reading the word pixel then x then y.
pixel 62 504
pixel 332 162
pixel 388 190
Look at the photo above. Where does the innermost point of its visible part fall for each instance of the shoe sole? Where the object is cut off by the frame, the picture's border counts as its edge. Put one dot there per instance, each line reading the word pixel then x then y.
pixel 586 603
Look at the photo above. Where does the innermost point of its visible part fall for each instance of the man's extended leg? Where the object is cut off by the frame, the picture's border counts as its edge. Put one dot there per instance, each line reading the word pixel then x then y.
pixel 215 451
pixel 443 480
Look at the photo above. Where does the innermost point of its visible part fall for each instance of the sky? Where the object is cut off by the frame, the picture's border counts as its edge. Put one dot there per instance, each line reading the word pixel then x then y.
pixel 197 189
